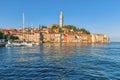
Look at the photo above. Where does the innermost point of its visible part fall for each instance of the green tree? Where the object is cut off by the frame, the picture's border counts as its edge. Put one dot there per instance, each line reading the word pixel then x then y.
pixel 74 28
pixel 43 26
pixel 84 31
pixel 14 37
pixel 54 27
pixel 70 27
pixel 10 37
pixel 1 35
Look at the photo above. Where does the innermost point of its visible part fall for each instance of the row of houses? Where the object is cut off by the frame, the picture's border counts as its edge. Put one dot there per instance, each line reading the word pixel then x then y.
pixel 26 35
pixel 85 38
pixel 45 35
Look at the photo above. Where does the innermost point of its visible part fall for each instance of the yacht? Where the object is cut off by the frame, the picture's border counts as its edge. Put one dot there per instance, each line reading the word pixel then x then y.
pixel 23 43
pixel 27 44
pixel 2 42
pixel 12 44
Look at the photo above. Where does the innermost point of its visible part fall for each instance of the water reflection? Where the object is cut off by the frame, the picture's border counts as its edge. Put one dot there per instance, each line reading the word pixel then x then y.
pixel 49 51
pixel 55 61
pixel 55 51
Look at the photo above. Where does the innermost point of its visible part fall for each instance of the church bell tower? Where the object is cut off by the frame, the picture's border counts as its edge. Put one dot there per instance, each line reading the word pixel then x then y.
pixel 61 19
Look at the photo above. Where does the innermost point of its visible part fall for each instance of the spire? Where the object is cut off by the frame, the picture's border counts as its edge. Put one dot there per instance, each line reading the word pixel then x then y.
pixel 61 13
pixel 61 19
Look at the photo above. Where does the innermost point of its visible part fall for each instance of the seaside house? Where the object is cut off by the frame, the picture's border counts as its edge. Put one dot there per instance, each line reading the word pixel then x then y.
pixel 100 38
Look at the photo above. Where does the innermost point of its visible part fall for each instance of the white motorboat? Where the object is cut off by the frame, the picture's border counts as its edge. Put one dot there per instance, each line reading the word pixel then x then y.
pixel 25 44
pixel 9 44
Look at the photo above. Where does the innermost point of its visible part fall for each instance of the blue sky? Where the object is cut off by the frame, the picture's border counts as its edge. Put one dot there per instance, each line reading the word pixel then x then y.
pixel 97 16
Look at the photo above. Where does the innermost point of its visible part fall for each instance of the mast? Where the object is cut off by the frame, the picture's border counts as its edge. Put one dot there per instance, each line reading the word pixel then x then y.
pixel 23 25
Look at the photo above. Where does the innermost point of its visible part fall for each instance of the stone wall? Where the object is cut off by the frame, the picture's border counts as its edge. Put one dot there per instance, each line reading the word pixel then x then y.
pixel 100 38
pixel 85 38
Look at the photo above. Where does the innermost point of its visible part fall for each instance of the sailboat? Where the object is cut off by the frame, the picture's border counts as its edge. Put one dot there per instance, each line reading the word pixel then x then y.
pixel 27 44
pixel 23 44
pixel 12 44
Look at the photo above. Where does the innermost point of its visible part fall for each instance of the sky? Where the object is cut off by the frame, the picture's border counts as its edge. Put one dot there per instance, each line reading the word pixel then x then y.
pixel 97 16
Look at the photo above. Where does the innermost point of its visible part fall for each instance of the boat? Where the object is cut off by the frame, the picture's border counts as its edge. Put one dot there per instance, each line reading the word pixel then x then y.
pixel 23 43
pixel 29 43
pixel 12 44
pixel 2 42
pixel 15 44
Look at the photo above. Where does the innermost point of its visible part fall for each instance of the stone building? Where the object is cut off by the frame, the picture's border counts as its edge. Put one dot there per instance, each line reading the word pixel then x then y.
pixel 51 37
pixel 100 38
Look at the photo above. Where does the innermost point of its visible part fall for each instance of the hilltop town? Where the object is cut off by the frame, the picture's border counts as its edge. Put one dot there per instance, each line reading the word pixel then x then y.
pixel 54 33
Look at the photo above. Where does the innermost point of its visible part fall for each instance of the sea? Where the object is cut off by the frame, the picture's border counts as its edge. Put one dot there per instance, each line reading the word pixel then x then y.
pixel 61 61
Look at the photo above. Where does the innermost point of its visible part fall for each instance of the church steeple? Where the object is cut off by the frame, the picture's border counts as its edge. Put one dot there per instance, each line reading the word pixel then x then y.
pixel 61 19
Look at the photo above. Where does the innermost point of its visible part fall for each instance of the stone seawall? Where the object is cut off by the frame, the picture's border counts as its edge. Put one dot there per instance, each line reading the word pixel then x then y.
pixel 93 38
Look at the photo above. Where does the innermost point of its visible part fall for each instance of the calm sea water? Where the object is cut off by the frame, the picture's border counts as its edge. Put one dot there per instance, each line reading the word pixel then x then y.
pixel 67 61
